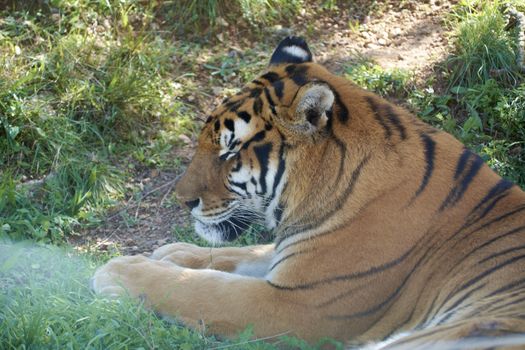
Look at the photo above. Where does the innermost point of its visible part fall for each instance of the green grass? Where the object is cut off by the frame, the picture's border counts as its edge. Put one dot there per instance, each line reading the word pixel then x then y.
pixel 45 303
pixel 85 94
pixel 483 110
pixel 214 16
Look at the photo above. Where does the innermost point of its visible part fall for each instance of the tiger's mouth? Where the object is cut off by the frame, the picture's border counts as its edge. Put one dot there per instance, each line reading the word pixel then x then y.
pixel 226 230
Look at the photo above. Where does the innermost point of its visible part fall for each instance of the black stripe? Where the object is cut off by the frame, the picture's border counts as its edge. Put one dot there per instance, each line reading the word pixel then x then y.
pixel 392 296
pixel 270 101
pixel 342 157
pixel 241 185
pixel 257 82
pixel 286 257
pixel 507 287
pixel 278 88
pixel 233 143
pixel 464 179
pixel 424 333
pixel 376 307
pixel 503 252
pixel 506 234
pixel 255 92
pixel 270 76
pixel 234 105
pixel 456 304
pixel 394 119
pixel 501 187
pixel 278 213
pixel 244 116
pixel 485 225
pixel 510 303
pixel 489 242
pixel 374 106
pixel 256 138
pixel 262 153
pixel 280 169
pixel 342 112
pixel 502 217
pixel 460 167
pixel 230 141
pixel 346 294
pixel 297 73
pixel 485 273
pixel 496 193
pixel 228 123
pixel 225 156
pixel 494 303
pixel 480 277
pixel 231 189
pixel 238 166
pixel 356 275
pixel 257 106
pixel 430 153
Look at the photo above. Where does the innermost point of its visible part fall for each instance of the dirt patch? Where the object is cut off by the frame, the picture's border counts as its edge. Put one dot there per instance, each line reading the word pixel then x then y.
pixel 145 220
pixel 411 36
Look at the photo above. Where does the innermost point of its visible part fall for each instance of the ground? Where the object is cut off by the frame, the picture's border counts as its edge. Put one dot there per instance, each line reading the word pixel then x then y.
pixel 411 36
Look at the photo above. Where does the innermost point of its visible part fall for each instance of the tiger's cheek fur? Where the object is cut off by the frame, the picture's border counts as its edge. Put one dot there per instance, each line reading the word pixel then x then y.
pixel 257 177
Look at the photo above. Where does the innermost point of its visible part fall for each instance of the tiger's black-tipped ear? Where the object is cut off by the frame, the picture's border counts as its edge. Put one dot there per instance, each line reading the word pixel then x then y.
pixel 291 50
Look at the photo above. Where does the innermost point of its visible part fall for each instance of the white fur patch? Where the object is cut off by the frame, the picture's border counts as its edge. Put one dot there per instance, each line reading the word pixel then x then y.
pixel 209 233
pixel 296 51
pixel 242 129
pixel 253 269
pixel 382 344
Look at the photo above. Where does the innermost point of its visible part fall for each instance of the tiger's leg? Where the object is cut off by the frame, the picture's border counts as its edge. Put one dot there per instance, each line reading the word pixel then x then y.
pixel 225 303
pixel 248 261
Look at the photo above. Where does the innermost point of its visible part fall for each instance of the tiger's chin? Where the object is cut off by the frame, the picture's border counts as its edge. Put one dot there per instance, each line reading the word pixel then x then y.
pixel 224 231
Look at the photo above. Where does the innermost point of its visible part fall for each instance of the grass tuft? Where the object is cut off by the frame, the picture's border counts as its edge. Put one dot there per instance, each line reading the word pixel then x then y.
pixel 484 47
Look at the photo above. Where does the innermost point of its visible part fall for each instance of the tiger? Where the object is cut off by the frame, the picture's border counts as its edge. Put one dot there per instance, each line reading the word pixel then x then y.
pixel 389 233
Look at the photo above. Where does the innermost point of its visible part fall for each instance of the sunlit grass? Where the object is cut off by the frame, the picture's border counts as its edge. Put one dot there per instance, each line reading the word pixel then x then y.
pixel 82 89
pixel 46 303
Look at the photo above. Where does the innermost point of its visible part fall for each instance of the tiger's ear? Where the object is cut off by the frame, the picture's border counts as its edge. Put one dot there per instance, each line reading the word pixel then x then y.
pixel 291 50
pixel 310 109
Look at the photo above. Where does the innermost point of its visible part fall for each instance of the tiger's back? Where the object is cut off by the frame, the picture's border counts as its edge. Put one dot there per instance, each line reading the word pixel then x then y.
pixel 436 233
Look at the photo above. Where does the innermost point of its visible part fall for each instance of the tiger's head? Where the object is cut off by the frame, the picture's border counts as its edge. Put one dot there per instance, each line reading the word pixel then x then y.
pixel 247 147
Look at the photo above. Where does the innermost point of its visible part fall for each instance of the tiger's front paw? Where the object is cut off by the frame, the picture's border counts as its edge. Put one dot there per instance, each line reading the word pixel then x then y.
pixel 184 255
pixel 119 276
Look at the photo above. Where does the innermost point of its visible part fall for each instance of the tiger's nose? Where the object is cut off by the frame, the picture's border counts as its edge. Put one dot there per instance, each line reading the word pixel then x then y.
pixel 192 204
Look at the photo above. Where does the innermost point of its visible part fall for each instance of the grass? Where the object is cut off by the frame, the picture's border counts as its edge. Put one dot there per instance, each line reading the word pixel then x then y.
pixel 484 110
pixel 45 303
pixel 82 89
pixel 213 16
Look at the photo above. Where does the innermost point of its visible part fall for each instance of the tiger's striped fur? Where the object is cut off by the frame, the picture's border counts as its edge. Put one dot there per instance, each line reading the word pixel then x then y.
pixel 387 230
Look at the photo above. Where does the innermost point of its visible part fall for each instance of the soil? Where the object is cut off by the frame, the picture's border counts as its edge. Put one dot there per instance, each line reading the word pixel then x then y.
pixel 410 36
